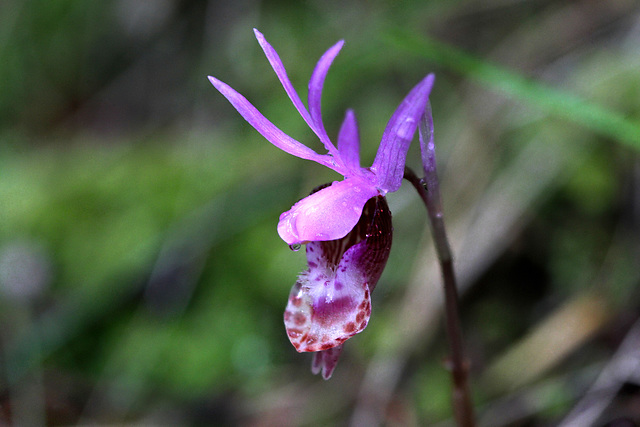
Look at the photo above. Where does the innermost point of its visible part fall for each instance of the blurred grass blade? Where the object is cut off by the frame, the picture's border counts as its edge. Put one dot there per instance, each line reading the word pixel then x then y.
pixel 552 101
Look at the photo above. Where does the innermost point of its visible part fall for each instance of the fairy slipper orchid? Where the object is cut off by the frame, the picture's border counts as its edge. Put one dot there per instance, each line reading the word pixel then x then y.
pixel 345 225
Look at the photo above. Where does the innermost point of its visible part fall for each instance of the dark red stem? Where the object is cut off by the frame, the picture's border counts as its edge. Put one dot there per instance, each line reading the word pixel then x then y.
pixel 458 364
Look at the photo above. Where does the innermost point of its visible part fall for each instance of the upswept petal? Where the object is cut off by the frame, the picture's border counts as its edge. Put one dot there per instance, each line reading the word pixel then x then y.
pixel 317 82
pixel 396 139
pixel 278 67
pixel 349 142
pixel 269 130
pixel 328 214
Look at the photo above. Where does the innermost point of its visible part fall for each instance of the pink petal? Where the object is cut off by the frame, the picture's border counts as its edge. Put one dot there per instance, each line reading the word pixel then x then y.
pixel 328 214
pixel 269 130
pixel 396 139
pixel 349 142
pixel 281 72
pixel 315 87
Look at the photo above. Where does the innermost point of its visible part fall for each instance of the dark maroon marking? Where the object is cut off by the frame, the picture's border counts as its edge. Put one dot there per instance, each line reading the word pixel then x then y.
pixel 363 324
pixel 350 327
pixel 296 301
pixel 294 333
pixel 360 317
pixel 299 319
pixel 312 264
pixel 326 346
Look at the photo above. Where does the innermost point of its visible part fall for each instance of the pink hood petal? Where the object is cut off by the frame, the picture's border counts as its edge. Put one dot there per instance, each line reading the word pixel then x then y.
pixel 328 214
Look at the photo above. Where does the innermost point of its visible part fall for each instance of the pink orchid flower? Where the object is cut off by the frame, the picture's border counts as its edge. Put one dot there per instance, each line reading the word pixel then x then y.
pixel 347 224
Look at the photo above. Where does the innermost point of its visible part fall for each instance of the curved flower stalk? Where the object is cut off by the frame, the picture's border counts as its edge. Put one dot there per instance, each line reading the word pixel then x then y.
pixel 331 301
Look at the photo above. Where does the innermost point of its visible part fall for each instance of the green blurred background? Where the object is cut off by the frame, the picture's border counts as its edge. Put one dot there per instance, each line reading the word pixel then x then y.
pixel 142 280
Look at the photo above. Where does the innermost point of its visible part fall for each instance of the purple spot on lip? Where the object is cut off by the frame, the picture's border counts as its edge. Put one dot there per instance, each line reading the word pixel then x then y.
pixel 338 286
pixel 327 311
pixel 312 264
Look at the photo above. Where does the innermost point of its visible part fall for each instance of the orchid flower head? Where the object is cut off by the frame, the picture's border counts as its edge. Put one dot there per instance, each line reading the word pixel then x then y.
pixel 331 213
pixel 346 225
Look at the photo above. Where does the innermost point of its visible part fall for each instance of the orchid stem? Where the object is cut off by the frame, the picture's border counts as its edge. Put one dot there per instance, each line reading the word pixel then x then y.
pixel 458 364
